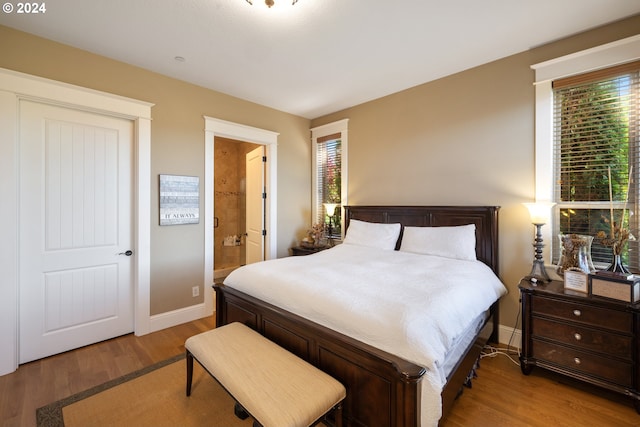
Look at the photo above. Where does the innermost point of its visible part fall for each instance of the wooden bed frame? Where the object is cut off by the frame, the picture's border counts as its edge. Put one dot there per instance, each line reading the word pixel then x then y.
pixel 382 389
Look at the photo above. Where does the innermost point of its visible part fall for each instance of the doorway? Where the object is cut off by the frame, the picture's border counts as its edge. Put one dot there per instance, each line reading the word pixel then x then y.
pixel 230 208
pixel 15 86
pixel 221 128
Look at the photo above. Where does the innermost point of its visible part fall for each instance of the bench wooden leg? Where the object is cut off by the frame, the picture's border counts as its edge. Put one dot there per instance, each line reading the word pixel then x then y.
pixel 336 411
pixel 240 412
pixel 337 414
pixel 189 372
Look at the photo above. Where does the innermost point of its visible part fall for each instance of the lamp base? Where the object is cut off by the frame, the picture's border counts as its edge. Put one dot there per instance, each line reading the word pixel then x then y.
pixel 538 272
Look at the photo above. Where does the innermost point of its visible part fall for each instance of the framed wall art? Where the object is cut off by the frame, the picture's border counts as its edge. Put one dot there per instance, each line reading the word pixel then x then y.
pixel 179 199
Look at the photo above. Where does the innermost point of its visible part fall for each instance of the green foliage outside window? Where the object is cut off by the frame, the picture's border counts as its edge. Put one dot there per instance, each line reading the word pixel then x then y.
pixel 593 136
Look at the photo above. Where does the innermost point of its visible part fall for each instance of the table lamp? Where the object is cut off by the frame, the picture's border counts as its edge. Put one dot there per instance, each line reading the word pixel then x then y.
pixel 540 215
pixel 330 209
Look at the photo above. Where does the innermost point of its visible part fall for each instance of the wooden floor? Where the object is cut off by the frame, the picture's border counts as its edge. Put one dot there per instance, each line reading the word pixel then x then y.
pixel 500 396
pixel 44 381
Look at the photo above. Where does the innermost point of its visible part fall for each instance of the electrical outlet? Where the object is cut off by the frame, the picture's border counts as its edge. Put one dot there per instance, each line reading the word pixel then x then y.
pixel 195 291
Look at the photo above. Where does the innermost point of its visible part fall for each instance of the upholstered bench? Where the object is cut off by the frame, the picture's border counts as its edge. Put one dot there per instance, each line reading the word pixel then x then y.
pixel 275 387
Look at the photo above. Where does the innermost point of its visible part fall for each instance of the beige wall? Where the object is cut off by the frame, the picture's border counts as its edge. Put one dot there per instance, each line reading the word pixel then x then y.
pixel 177 147
pixel 466 139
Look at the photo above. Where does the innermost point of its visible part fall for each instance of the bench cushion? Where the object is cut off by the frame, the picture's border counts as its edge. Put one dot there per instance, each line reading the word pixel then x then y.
pixel 275 386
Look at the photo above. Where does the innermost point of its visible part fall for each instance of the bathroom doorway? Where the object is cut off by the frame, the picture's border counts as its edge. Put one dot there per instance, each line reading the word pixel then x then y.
pixel 230 210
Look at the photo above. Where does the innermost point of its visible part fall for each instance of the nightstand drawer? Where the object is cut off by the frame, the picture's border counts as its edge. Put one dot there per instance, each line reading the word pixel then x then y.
pixel 589 315
pixel 584 338
pixel 605 368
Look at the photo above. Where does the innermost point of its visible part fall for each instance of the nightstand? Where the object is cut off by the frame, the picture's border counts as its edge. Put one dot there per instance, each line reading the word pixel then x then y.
pixel 303 250
pixel 588 338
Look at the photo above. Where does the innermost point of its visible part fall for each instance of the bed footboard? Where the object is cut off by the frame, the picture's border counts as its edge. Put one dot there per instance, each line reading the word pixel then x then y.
pixel 382 389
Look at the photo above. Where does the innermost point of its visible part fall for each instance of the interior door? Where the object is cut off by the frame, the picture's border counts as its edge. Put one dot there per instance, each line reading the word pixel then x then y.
pixel 255 198
pixel 75 229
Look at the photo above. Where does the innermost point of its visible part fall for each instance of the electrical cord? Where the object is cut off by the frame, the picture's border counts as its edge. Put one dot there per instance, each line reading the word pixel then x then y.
pixel 490 351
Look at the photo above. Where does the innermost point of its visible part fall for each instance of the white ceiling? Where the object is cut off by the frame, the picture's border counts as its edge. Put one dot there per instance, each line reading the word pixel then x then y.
pixel 317 56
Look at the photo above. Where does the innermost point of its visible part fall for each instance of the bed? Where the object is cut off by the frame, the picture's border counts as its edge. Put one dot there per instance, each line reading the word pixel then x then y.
pixel 383 388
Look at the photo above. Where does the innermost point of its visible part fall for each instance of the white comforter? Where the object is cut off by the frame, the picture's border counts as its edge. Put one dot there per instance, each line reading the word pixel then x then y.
pixel 410 305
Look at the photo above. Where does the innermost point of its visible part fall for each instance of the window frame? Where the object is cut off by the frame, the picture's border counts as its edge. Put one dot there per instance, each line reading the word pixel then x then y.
pixel 319 132
pixel 604 56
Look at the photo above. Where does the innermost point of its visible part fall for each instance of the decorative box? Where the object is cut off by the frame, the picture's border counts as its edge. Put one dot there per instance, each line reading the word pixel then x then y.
pixel 620 287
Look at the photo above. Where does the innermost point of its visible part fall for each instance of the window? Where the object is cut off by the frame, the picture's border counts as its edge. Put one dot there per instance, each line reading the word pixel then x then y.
pixel 329 184
pixel 573 160
pixel 596 145
pixel 329 175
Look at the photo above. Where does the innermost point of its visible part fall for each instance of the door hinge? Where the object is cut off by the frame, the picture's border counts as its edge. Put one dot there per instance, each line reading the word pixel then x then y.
pixel 264 159
pixel 264 195
pixel 264 232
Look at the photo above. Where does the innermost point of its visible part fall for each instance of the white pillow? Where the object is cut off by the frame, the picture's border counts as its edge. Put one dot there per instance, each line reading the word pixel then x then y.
pixel 372 234
pixel 457 242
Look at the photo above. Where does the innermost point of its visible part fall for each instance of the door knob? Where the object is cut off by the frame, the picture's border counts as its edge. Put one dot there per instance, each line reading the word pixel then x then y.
pixel 127 253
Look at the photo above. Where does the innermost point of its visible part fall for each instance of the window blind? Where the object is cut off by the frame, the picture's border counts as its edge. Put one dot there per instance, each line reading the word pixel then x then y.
pixel 596 146
pixel 329 185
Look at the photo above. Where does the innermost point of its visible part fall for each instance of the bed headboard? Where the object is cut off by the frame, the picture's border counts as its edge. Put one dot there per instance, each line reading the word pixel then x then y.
pixel 484 217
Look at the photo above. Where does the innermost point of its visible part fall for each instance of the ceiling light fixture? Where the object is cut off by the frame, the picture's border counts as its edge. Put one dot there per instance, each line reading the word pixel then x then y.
pixel 270 3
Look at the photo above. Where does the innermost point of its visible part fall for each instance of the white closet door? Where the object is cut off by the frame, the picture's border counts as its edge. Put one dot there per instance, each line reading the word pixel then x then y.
pixel 75 229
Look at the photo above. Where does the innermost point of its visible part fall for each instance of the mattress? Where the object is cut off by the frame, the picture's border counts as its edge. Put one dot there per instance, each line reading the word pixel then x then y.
pixel 461 344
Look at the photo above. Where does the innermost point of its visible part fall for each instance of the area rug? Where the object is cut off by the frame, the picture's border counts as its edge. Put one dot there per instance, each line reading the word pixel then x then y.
pixel 154 396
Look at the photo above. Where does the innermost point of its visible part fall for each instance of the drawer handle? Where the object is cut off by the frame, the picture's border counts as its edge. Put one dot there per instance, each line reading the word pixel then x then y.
pixel 577 360
pixel 577 313
pixel 577 336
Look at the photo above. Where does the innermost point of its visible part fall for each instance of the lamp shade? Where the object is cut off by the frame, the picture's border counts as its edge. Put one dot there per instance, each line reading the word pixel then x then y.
pixel 540 212
pixel 330 208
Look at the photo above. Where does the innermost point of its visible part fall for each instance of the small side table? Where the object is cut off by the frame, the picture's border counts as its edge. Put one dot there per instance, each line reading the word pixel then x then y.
pixel 304 250
pixel 588 338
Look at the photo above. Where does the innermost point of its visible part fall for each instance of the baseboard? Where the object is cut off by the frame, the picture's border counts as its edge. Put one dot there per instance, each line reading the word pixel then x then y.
pixel 178 317
pixel 510 336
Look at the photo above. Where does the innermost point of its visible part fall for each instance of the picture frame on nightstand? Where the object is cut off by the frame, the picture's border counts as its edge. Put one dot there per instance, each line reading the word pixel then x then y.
pixel 576 280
